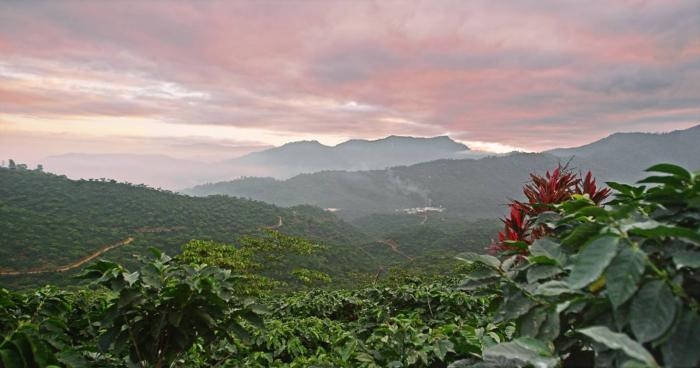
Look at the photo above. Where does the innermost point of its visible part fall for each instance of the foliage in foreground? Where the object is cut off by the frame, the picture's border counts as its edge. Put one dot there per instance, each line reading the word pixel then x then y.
pixel 612 286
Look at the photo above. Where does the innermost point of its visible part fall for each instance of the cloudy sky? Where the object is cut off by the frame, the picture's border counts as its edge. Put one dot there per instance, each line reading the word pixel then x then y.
pixel 217 79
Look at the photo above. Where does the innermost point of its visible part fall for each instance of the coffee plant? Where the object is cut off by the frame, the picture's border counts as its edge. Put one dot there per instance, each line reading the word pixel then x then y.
pixel 612 285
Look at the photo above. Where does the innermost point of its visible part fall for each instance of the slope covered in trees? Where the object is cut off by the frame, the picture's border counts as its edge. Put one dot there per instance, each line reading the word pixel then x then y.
pixel 467 189
pixel 48 221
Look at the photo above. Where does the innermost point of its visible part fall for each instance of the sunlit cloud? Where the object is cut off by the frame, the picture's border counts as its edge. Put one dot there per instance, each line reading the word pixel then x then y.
pixel 501 76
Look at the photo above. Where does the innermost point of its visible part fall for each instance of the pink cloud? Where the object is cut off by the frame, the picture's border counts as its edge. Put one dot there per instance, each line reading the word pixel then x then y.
pixel 526 74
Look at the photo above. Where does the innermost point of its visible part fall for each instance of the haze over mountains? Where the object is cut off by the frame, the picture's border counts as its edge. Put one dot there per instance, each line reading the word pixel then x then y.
pixel 467 188
pixel 280 162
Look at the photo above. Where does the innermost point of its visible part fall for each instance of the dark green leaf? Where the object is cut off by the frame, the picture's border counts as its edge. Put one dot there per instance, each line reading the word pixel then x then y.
pixel 623 275
pixel 547 248
pixel 652 311
pixel 525 351
pixel 10 359
pixel 668 180
pixel 515 305
pixel 485 259
pixel 542 271
pixel 682 347
pixel 554 288
pixel 619 341
pixel 671 169
pixel 590 263
pixel 686 258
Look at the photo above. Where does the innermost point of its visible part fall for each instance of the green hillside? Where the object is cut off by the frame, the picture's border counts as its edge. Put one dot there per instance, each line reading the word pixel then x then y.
pixel 48 221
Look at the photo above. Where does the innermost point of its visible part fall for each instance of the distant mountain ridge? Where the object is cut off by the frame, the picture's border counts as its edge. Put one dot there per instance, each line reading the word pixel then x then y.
pixel 356 154
pixel 280 162
pixel 467 188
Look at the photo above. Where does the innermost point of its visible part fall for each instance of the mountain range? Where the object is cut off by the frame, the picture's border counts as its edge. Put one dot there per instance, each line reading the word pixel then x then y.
pixel 280 162
pixel 465 188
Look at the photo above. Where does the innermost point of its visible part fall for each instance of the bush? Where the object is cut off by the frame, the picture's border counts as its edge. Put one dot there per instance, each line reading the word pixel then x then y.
pixel 616 285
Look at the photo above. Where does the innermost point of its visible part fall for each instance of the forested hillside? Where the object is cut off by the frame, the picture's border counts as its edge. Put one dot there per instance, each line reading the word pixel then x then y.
pixel 48 221
pixel 468 188
pixel 51 223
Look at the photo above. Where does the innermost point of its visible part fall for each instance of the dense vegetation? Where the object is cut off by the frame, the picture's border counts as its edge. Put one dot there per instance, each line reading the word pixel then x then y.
pixel 48 221
pixel 601 284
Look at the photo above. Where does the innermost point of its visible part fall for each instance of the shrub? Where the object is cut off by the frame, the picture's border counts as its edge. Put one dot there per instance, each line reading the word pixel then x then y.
pixel 616 285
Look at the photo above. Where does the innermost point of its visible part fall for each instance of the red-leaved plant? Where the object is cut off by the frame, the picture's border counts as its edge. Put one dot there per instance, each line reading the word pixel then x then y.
pixel 542 193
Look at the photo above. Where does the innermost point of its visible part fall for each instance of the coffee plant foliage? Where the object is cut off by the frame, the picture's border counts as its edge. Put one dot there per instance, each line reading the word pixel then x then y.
pixel 591 280
pixel 610 285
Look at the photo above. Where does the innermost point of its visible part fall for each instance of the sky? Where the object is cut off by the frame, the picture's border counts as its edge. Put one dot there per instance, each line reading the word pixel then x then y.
pixel 211 80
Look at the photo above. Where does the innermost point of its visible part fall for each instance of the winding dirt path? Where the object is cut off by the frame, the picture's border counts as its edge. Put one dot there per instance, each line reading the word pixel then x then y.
pixel 277 225
pixel 395 248
pixel 73 265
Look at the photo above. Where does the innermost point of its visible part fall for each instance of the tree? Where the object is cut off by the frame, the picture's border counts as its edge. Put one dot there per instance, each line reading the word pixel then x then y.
pixel 40 167
pixel 12 165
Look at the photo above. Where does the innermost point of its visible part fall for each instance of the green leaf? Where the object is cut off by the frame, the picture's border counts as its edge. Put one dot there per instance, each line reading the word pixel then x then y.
pixel 529 325
pixel 488 260
pixel 668 180
pixel 671 169
pixel 547 248
pixel 551 327
pixel 128 296
pixel 686 258
pixel 590 263
pixel 542 271
pixel 554 288
pixel 482 273
pixel 619 341
pixel 623 275
pixel 681 349
pixel 442 347
pixel 131 278
pixel 515 305
pixel 581 234
pixel 622 188
pixel 524 351
pixel 10 359
pixel 653 228
pixel 652 311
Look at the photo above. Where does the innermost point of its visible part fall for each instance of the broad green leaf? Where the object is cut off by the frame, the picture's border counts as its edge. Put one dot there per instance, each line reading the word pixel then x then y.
pixel 550 328
pixel 671 169
pixel 529 325
pixel 514 306
pixel 623 275
pixel 590 263
pixel 554 288
pixel 549 249
pixel 622 188
pixel 128 296
pixel 652 311
pixel 131 278
pixel 10 359
pixel 524 351
pixel 686 258
pixel 488 260
pixel 668 180
pixel 482 273
pixel 682 347
pixel 581 234
pixel 619 341
pixel 653 228
pixel 542 271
